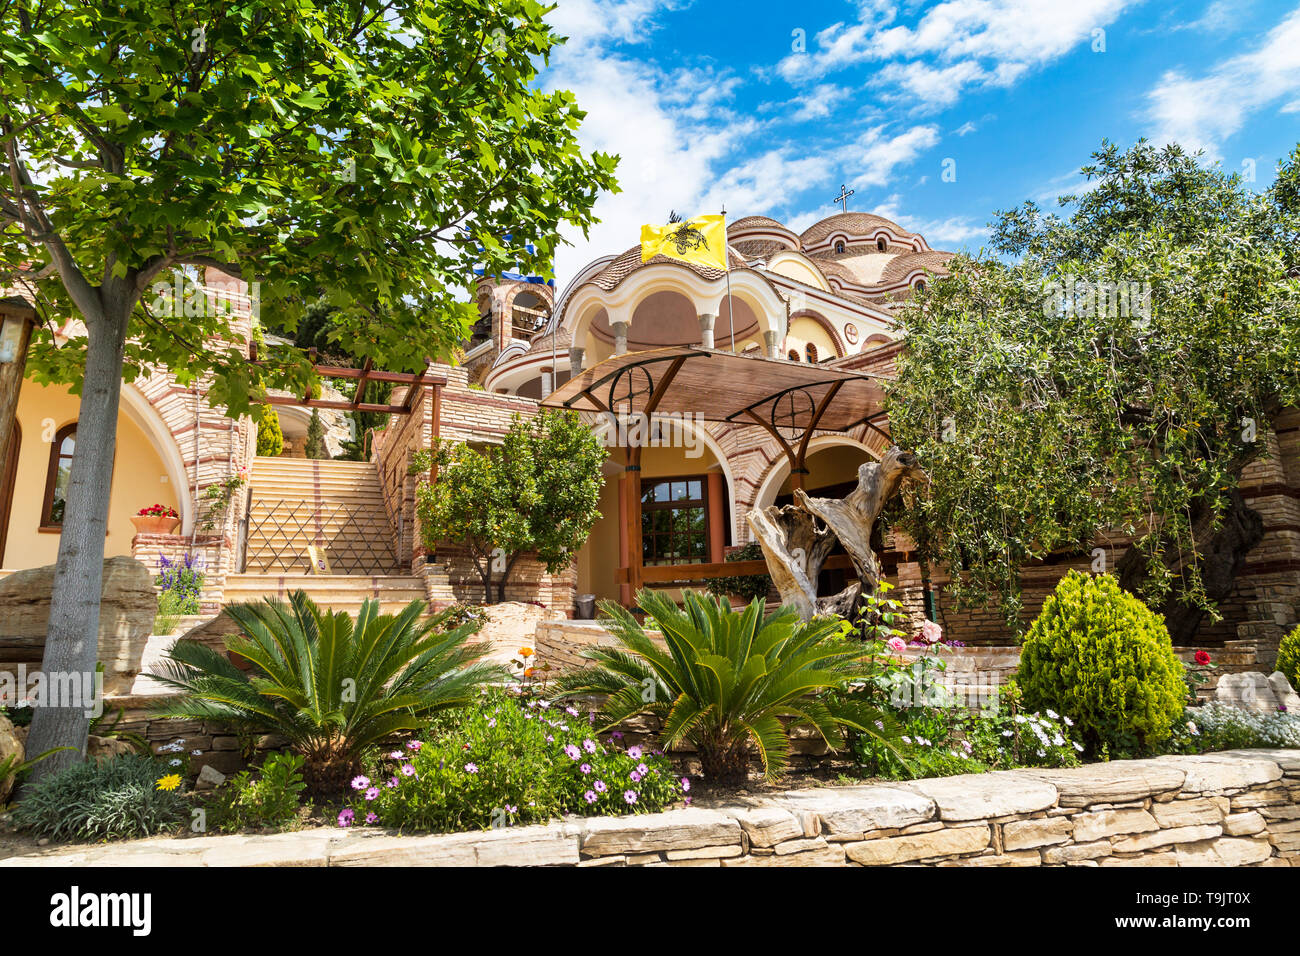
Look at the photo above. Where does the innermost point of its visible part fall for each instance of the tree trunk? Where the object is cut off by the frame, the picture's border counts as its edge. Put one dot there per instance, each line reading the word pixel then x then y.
pixel 796 546
pixel 485 572
pixel 72 638
pixel 11 383
pixel 795 549
pixel 505 578
pixel 1222 556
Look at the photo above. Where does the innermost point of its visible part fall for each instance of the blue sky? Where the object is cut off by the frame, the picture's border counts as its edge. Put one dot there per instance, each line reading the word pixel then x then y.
pixel 769 107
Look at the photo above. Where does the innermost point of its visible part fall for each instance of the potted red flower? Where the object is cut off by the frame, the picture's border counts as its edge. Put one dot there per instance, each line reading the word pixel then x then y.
pixel 155 519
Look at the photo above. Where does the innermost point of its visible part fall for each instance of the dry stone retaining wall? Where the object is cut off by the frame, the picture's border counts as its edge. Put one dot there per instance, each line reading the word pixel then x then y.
pixel 1236 808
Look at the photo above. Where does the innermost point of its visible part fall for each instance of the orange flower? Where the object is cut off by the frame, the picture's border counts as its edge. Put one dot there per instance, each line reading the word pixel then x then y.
pixel 525 652
pixel 528 672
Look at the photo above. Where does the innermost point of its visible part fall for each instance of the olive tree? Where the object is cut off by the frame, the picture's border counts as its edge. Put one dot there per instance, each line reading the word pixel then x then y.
pixel 1104 384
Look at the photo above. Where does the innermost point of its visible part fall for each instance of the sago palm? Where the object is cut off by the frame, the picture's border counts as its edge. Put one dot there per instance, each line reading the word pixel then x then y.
pixel 332 686
pixel 732 683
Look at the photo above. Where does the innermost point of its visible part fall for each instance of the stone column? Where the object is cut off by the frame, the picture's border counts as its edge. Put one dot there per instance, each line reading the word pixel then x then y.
pixel 575 361
pixel 706 328
pixel 770 339
pixel 620 337
pixel 548 385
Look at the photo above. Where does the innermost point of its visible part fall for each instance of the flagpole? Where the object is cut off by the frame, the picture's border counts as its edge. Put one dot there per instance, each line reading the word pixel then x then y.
pixel 726 264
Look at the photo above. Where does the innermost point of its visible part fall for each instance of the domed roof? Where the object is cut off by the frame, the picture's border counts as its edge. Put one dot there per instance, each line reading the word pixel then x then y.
pixel 852 223
pixel 901 266
pixel 628 262
pixel 746 223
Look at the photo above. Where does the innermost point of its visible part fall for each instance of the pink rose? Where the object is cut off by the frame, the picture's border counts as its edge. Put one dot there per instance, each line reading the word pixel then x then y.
pixel 896 645
pixel 931 632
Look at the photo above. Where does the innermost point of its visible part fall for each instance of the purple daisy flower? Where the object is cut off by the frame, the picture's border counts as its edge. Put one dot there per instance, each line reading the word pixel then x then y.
pixel 408 770
pixel 360 782
pixel 346 816
pixel 629 796
pixel 590 796
pixel 589 746
pixel 585 768
pixel 471 768
pixel 600 786
pixel 634 753
pixel 372 793
pixel 573 752
pixel 372 817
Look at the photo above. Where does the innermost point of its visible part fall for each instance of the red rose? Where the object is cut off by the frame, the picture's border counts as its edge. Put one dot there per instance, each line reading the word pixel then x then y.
pixel 1202 658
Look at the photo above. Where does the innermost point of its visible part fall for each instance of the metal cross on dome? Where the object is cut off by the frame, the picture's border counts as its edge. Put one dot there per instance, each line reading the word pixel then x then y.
pixel 843 198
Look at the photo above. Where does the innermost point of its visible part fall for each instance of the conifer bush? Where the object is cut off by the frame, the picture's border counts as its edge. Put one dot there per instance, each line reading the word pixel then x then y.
pixel 1288 657
pixel 1102 657
pixel 270 437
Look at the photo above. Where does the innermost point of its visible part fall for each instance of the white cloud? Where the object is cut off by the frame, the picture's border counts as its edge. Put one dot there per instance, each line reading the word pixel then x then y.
pixel 956 45
pixel 684 146
pixel 1201 112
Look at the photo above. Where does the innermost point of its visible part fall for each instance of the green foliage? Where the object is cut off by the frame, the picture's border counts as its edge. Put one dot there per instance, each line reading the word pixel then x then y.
pixel 539 490
pixel 380 155
pixel 1219 726
pixel 267 800
pixel 1045 417
pixel 171 606
pixel 116 799
pixel 270 437
pixel 1099 655
pixel 507 762
pixel 333 686
pixel 316 447
pixel 1288 657
pixel 730 682
pixel 747 586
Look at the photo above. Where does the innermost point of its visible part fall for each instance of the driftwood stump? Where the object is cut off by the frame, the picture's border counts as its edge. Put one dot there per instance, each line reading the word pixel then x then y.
pixel 796 539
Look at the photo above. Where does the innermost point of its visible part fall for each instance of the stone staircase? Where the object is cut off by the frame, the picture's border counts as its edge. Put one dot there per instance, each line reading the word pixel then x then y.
pixel 339 592
pixel 335 505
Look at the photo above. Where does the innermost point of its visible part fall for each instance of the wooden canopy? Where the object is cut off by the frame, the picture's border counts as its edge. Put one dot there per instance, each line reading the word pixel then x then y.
pixel 739 388
pixel 789 400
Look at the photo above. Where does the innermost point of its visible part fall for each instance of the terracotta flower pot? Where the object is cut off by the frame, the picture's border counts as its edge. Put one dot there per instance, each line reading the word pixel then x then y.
pixel 154 524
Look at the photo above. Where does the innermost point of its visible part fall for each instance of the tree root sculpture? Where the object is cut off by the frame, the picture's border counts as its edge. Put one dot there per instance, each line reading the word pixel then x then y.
pixel 796 539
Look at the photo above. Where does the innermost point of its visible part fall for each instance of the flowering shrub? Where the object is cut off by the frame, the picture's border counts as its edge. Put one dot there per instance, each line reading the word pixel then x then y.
pixel 510 761
pixel 1217 726
pixel 157 511
pixel 1003 736
pixel 183 579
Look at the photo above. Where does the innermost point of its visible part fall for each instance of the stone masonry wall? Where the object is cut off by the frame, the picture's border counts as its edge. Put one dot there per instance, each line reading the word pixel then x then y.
pixel 1236 808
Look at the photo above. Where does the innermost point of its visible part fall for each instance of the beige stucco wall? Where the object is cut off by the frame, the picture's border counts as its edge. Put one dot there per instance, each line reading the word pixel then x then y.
pixel 804 330
pixel 599 560
pixel 139 478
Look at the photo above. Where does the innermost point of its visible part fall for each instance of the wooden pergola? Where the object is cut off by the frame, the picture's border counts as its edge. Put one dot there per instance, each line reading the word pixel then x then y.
pixel 367 373
pixel 789 400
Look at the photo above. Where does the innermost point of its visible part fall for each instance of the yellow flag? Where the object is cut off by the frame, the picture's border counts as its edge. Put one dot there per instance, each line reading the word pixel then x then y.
pixel 702 240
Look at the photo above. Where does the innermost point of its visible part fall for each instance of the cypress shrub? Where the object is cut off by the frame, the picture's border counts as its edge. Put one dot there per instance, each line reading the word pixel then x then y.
pixel 1100 656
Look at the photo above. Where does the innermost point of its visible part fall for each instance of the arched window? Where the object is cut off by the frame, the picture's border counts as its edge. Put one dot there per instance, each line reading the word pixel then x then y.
pixel 882 244
pixel 810 350
pixel 792 355
pixel 839 247
pixel 920 285
pixel 56 479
